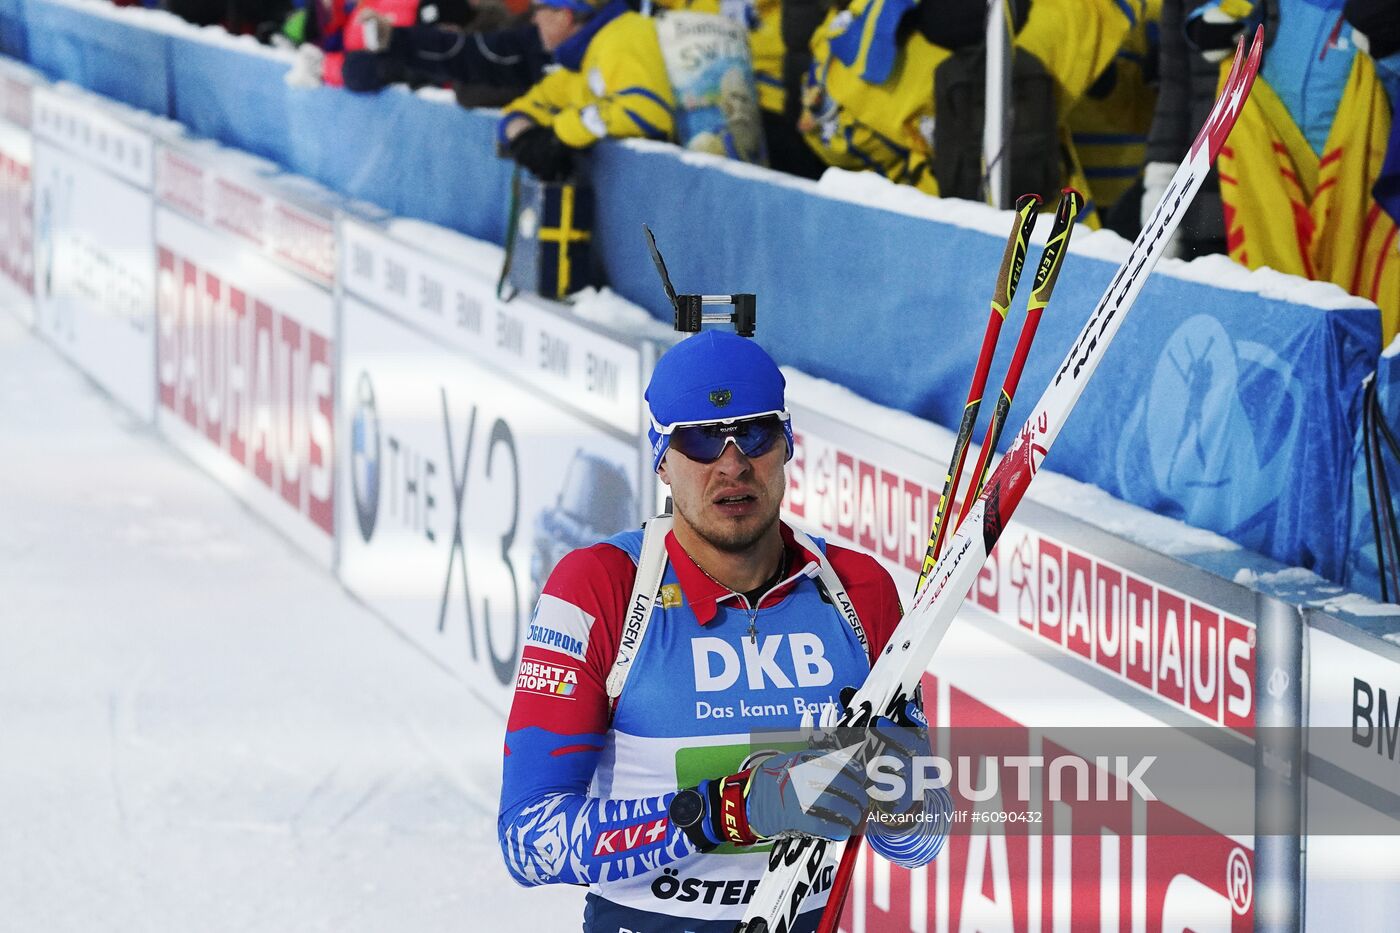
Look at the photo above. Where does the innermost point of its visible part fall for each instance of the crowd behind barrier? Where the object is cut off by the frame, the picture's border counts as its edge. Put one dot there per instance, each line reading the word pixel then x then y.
pixel 356 380
pixel 1108 95
pixel 1254 394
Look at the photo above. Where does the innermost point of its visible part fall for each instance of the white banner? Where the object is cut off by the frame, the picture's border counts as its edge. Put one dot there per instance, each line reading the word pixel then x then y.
pixel 16 193
pixel 94 265
pixel 523 341
pixel 246 376
pixel 219 190
pixel 89 128
pixel 1170 646
pixel 1354 748
pixel 461 490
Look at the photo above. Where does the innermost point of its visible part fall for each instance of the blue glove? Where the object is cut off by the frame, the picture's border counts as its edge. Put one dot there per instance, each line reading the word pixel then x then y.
pixel 899 738
pixel 813 792
pixel 910 827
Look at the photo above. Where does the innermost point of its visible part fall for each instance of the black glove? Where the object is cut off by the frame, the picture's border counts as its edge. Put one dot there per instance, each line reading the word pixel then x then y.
pixel 542 153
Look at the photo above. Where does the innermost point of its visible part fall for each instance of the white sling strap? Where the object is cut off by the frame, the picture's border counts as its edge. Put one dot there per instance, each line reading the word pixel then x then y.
pixel 651 566
pixel 834 590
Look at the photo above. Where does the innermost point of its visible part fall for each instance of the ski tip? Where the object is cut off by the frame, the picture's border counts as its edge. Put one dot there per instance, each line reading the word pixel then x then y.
pixel 1027 200
pixel 1233 93
pixel 1256 46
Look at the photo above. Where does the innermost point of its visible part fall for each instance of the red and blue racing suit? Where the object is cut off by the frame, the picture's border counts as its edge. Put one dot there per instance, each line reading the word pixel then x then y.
pixel 586 786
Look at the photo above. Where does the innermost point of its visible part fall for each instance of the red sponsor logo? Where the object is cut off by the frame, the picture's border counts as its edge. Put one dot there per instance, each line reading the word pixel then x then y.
pixel 1090 865
pixel 613 841
pixel 859 502
pixel 16 222
pixel 255 382
pixel 180 183
pixel 305 241
pixel 1182 651
pixel 239 210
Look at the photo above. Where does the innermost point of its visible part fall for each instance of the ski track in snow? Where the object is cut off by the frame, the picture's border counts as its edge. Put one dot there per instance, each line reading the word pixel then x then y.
pixel 201 730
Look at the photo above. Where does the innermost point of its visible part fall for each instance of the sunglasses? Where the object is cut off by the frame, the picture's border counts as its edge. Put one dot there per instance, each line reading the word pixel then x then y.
pixel 705 442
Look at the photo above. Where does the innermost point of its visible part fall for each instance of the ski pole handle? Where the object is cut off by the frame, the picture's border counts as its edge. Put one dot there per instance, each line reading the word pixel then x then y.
pixel 1013 260
pixel 1046 274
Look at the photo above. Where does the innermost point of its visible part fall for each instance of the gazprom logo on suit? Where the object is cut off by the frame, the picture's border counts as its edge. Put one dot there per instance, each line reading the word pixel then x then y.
pixel 783 661
pixel 365 457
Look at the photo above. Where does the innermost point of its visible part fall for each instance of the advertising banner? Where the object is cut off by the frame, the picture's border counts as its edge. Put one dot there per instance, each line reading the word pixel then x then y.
pixel 1024 860
pixel 17 191
pixel 1057 636
pixel 1353 803
pixel 246 348
pixel 93 258
pixel 455 303
pixel 1164 643
pixel 470 472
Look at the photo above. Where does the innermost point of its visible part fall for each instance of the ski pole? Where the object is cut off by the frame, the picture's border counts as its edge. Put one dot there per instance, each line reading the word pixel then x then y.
pixel 1012 261
pixel 1071 203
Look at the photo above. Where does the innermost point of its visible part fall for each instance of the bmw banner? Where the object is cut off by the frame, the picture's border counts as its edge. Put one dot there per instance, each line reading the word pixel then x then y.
pixel 482 441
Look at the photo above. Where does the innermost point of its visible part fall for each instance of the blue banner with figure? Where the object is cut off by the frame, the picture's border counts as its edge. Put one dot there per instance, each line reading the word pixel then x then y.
pixel 1229 410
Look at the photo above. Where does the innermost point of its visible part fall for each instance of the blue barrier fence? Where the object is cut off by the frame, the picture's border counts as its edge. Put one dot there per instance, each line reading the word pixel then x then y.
pixel 1232 411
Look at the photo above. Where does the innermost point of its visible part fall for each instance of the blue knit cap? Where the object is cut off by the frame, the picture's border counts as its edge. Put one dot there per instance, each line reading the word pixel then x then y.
pixel 711 376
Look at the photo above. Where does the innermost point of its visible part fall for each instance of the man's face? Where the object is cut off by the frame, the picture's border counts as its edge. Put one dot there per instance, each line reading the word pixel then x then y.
pixel 555 24
pixel 732 502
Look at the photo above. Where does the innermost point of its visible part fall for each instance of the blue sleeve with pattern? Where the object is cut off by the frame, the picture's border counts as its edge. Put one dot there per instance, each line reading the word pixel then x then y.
pixel 552 832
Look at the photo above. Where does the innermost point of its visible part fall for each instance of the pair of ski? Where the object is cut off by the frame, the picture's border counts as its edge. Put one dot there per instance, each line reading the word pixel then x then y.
pixel 795 863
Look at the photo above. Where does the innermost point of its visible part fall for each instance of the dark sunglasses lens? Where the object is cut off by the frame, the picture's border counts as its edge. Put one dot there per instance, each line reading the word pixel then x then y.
pixel 705 442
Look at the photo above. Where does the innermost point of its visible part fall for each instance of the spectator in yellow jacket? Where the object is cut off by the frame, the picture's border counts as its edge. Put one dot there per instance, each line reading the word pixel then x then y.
pixel 871 106
pixel 610 83
pixel 1110 123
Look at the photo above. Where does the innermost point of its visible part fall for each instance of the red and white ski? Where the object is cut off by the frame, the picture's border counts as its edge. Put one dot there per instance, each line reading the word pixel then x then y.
pixel 796 862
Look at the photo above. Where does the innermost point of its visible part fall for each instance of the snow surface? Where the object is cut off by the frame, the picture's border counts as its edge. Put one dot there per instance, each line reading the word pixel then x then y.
pixel 1392 348
pixel 720 163
pixel 871 190
pixel 158 126
pixel 449 245
pixel 201 730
